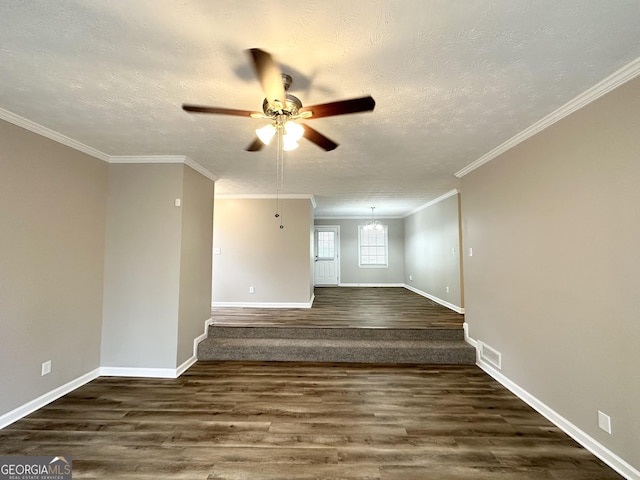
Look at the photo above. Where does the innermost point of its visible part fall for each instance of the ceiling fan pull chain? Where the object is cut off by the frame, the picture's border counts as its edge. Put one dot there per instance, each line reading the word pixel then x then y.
pixel 279 175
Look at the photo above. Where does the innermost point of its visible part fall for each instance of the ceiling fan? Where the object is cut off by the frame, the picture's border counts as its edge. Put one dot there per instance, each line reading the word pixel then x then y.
pixel 285 110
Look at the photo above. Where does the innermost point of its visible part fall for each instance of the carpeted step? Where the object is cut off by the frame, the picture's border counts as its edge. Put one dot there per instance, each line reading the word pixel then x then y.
pixel 337 350
pixel 338 333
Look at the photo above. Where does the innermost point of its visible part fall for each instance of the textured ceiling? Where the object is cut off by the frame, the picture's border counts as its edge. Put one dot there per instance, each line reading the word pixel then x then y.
pixel 451 80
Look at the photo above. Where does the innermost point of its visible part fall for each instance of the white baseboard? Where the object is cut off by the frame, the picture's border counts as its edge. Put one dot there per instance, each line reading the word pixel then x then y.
pixel 149 372
pixel 194 358
pixel 262 305
pixel 467 338
pixel 30 407
pixel 625 469
pixel 159 372
pixel 444 303
pixel 370 285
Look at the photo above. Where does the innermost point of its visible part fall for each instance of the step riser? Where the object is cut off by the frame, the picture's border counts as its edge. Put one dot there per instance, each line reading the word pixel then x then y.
pixel 336 333
pixel 337 345
pixel 460 356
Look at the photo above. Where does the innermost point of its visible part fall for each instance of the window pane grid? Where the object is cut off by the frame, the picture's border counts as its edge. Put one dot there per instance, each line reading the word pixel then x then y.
pixel 373 247
pixel 326 244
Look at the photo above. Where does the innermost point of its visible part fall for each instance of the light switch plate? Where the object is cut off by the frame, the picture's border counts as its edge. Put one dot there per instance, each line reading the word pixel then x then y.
pixel 46 368
pixel 604 422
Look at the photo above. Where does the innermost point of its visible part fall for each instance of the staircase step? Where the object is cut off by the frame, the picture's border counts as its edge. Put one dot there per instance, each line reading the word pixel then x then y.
pixel 337 350
pixel 338 333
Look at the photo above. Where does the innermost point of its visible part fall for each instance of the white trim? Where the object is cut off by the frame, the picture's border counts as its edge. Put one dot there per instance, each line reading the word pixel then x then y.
pixel 603 453
pixel 194 358
pixel 30 407
pixel 70 142
pixel 444 303
pixel 358 217
pixel 467 338
pixel 368 285
pixel 149 372
pixel 613 81
pixel 200 169
pixel 186 365
pixel 51 134
pixel 335 228
pixel 266 196
pixel 625 469
pixel 197 340
pixel 262 304
pixel 450 193
pixel 159 372
pixel 163 159
pixel 147 159
pixel 385 231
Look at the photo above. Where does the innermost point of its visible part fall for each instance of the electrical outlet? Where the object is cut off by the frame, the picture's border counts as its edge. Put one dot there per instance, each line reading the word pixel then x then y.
pixel 447 289
pixel 252 289
pixel 410 278
pixel 46 368
pixel 604 422
pixel 470 252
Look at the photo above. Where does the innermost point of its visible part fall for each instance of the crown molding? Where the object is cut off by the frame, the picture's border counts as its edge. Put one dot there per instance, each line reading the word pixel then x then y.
pixel 163 159
pixel 147 159
pixel 623 75
pixel 81 147
pixel 358 217
pixel 51 134
pixel 266 196
pixel 450 193
pixel 201 170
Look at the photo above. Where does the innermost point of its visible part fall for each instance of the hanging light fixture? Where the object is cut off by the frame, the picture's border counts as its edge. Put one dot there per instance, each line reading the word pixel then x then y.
pixel 266 133
pixel 373 224
pixel 290 130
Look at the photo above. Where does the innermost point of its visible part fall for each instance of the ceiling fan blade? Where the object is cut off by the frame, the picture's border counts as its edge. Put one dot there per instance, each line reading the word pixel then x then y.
pixel 354 105
pixel 319 139
pixel 255 146
pixel 269 74
pixel 218 110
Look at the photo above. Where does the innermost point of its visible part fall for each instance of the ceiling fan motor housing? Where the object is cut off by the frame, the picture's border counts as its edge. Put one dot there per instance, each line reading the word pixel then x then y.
pixel 290 108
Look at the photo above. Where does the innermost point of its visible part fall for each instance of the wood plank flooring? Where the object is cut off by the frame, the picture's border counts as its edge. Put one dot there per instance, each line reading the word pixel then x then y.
pixel 349 307
pixel 267 421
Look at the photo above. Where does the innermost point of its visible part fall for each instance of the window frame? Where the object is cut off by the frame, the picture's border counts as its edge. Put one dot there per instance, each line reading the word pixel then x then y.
pixel 386 249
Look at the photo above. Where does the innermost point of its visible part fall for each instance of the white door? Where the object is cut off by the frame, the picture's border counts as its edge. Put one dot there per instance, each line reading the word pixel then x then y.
pixel 327 248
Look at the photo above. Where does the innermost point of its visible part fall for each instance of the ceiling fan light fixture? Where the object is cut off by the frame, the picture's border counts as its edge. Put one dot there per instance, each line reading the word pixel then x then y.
pixel 289 144
pixel 266 133
pixel 293 130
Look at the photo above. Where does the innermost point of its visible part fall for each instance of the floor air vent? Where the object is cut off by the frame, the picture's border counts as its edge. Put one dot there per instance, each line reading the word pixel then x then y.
pixel 490 355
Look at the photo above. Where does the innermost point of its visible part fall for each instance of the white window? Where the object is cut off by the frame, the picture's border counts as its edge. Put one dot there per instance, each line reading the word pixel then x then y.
pixel 326 245
pixel 373 247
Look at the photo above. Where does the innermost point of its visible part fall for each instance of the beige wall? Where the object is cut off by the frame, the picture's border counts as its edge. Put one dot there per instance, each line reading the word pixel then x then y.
pixel 52 224
pixel 554 280
pixel 432 251
pixel 142 266
pixel 157 264
pixel 254 251
pixel 350 272
pixel 195 260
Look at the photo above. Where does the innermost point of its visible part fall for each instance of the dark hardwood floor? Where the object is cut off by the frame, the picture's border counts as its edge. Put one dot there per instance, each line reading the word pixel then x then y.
pixel 303 421
pixel 341 307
